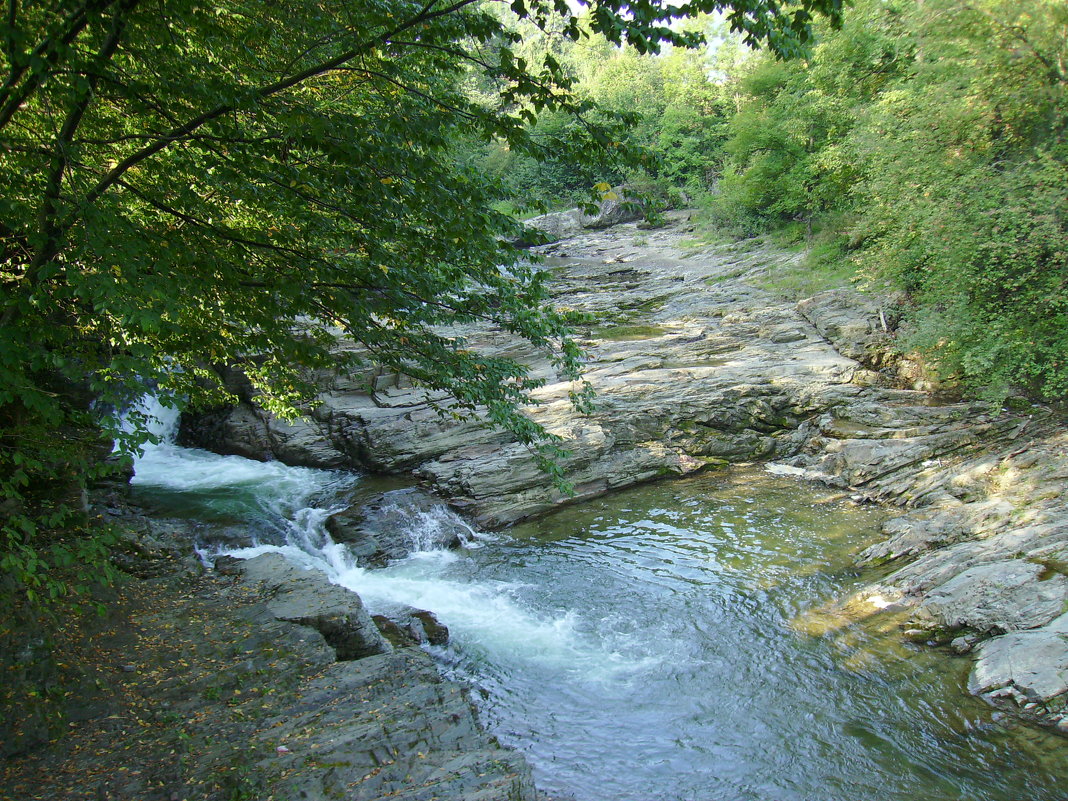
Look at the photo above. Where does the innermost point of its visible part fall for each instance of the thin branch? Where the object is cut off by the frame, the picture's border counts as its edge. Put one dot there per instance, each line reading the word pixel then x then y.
pixel 263 93
pixel 411 90
pixel 461 54
pixel 47 225
pixel 48 51
pixel 1017 32
pixel 222 233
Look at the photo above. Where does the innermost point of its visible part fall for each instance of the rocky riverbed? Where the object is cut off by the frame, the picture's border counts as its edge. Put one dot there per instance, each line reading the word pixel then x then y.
pixel 258 680
pixel 696 366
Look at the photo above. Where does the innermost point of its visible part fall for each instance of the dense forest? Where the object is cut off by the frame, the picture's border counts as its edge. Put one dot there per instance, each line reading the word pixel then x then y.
pixel 920 149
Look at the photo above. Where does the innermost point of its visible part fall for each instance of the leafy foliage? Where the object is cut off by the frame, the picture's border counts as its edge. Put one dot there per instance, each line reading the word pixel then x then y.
pixel 934 136
pixel 966 201
pixel 192 184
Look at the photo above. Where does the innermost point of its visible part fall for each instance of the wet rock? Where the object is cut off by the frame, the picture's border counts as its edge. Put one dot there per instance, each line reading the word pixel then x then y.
pixel 223 538
pixel 426 628
pixel 994 598
pixel 397 636
pixel 395 524
pixel 1025 672
pixel 964 644
pixel 308 598
pixel 236 430
pixel 229 565
pixel 407 627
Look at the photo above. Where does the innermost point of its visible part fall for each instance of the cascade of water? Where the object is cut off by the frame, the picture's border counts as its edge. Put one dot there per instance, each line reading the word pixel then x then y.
pixel 287 508
pixel 649 657
pixel 281 504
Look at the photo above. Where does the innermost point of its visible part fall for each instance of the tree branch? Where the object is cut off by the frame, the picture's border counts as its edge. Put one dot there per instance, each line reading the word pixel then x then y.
pixel 222 233
pixel 48 228
pixel 48 51
pixel 263 93
pixel 411 90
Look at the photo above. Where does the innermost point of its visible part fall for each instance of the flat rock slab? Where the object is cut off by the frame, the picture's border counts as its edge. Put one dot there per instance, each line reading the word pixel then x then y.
pixel 1026 672
pixel 998 597
pixel 389 726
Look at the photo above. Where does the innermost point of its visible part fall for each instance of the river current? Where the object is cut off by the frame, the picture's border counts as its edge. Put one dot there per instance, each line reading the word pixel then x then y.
pixel 673 642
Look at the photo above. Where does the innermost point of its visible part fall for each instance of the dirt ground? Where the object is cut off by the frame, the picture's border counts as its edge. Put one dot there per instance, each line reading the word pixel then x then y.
pixel 162 698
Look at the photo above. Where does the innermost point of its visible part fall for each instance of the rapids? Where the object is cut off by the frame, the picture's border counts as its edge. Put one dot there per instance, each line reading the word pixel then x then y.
pixel 675 642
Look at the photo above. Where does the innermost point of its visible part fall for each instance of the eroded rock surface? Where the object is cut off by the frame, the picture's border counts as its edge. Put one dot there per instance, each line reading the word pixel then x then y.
pixel 694 365
pixel 308 598
pixel 1026 672
pixel 227 684
pixel 389 727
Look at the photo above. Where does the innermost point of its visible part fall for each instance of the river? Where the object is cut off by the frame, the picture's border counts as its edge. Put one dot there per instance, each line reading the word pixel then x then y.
pixel 677 641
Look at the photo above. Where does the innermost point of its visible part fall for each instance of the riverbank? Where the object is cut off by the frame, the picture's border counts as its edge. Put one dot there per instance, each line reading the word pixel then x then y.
pixel 213 685
pixel 695 366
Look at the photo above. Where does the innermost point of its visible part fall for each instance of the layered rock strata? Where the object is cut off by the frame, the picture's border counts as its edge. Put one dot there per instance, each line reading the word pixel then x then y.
pixel 376 722
pixel 695 365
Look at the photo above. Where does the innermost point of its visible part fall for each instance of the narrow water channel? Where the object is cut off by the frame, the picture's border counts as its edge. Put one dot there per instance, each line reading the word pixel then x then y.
pixel 666 643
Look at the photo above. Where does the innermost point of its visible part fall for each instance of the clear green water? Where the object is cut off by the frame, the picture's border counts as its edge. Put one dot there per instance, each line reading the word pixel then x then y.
pixel 673 642
pixel 710 667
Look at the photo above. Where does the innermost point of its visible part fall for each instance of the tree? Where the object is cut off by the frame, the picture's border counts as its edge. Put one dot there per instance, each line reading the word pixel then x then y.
pixel 966 192
pixel 932 137
pixel 188 184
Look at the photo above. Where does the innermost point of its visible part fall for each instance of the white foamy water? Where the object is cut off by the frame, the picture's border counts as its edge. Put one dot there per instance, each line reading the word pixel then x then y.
pixel 287 508
pixel 639 647
pixel 271 486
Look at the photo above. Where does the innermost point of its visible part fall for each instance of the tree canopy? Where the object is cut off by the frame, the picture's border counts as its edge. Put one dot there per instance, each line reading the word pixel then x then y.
pixel 189 184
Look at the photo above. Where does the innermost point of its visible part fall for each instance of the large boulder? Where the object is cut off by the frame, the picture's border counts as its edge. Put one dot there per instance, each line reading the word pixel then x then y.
pixel 396 523
pixel 553 226
pixel 308 598
pixel 614 209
